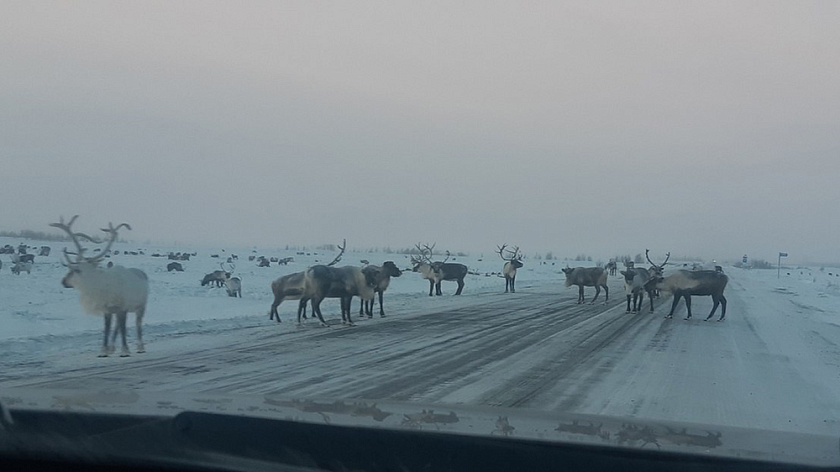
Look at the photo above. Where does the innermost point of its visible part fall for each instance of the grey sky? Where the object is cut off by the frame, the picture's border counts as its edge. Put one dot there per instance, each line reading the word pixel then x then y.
pixel 703 128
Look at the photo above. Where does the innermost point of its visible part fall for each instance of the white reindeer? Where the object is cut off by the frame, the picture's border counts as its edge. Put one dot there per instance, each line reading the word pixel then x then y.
pixel 107 291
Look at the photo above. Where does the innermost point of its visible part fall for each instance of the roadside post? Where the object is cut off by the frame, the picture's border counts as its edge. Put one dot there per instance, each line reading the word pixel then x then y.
pixel 779 269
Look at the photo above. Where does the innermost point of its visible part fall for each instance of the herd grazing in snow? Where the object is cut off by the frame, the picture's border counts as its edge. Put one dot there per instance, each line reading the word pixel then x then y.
pixel 117 290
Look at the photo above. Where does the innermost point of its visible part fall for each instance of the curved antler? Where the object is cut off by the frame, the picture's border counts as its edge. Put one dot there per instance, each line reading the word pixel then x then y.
pixel 113 232
pixel 74 237
pixel 667 256
pixel 426 252
pixel 338 257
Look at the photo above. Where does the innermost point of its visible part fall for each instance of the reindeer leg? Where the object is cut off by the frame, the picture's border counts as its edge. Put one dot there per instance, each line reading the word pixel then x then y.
pixel 381 310
pixel 687 305
pixel 460 286
pixel 650 296
pixel 347 303
pixel 316 311
pixel 301 310
pixel 431 287
pixel 105 352
pixel 362 307
pixel 121 321
pixel 580 294
pixel 722 307
pixel 606 294
pixel 513 284
pixel 141 348
pixel 628 304
pixel 597 292
pixel 677 296
pixel 716 302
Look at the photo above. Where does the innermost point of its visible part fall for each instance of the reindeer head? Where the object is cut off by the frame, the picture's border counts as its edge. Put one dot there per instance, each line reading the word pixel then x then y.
pixel 423 258
pixel 391 269
pixel 657 269
pixel 80 263
pixel 514 257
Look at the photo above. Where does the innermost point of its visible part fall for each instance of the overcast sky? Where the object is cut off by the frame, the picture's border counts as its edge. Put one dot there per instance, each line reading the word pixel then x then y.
pixel 701 128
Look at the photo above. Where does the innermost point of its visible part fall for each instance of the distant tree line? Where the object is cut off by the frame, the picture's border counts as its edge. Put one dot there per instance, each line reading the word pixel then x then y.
pixel 30 234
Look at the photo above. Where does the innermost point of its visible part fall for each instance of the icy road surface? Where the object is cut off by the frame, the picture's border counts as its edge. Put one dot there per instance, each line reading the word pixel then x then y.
pixel 774 363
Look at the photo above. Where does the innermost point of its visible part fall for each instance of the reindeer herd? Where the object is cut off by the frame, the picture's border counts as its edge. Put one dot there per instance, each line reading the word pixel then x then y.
pixel 116 290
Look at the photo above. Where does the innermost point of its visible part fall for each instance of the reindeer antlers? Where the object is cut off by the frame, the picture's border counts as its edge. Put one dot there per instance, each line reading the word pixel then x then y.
pixel 342 246
pixel 66 227
pixel 426 252
pixel 512 255
pixel 667 256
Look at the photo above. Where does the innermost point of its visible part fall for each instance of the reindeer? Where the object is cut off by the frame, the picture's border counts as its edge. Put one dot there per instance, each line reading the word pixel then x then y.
pixel 656 270
pixel 319 282
pixel 588 277
pixel 109 291
pixel 634 286
pixel 233 285
pixel 21 263
pixel 382 277
pixel 292 287
pixel 435 272
pixel 174 266
pixel 514 261
pixel 611 267
pixel 216 277
pixel 687 283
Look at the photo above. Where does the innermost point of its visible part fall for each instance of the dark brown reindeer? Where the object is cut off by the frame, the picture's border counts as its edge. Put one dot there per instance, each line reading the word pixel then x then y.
pixel 588 277
pixel 688 283
pixel 436 272
pixel 514 261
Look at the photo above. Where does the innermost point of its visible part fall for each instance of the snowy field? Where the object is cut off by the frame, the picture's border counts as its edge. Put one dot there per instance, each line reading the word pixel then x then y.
pixel 773 364
pixel 36 306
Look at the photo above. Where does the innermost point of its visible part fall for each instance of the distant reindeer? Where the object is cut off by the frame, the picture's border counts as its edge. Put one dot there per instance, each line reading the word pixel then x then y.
pixel 588 277
pixel 688 283
pixel 514 261
pixel 382 277
pixel 234 286
pixel 110 291
pixel 174 266
pixel 611 267
pixel 435 272
pixel 217 277
pixel 21 263
pixel 45 251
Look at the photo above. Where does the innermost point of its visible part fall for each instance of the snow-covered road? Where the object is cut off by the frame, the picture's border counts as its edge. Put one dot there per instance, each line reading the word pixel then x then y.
pixel 764 367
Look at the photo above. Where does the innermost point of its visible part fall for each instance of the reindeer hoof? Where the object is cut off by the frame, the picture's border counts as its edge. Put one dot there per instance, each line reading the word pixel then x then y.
pixel 125 354
pixel 104 354
pixel 325 325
